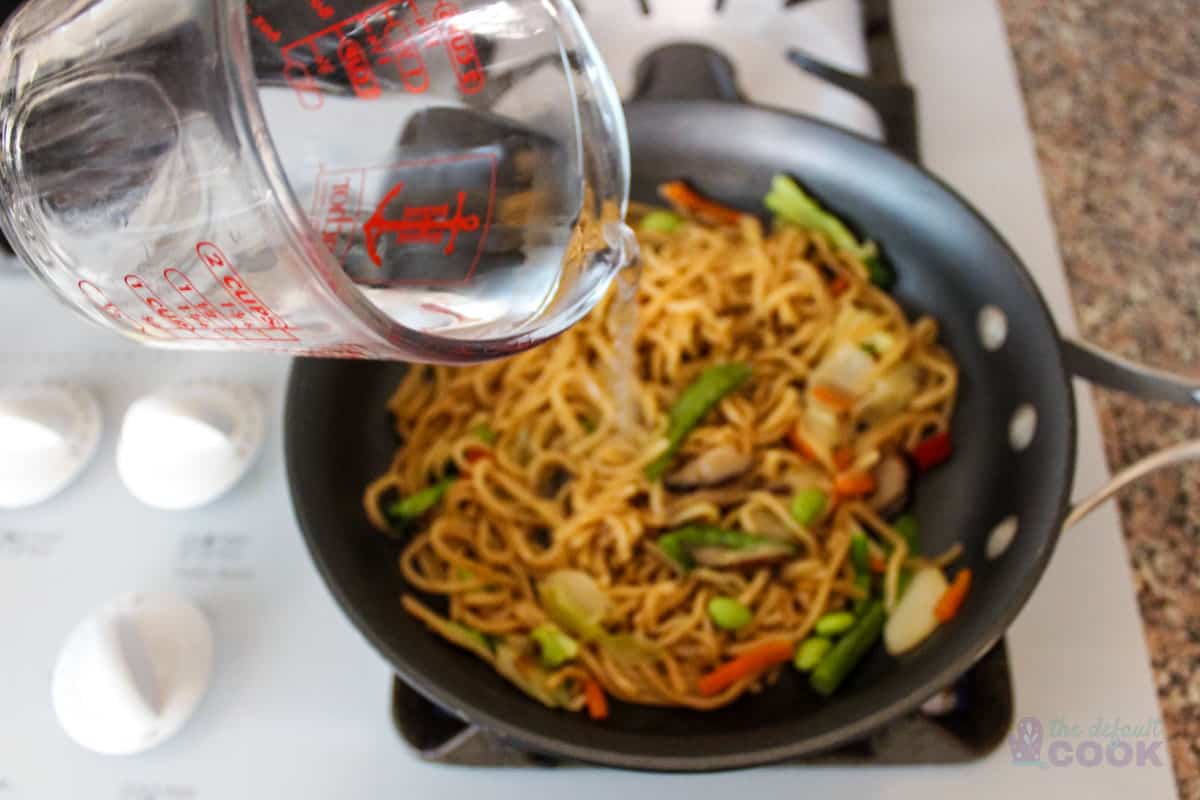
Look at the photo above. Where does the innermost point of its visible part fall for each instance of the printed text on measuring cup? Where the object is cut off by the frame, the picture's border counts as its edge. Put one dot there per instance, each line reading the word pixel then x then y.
pixel 237 314
pixel 397 35
pixel 437 208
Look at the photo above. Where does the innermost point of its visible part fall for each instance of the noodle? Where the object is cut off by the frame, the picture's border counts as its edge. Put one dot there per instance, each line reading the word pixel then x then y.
pixel 557 480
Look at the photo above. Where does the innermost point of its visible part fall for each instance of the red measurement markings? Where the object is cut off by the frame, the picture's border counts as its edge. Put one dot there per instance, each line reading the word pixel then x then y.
pixel 160 330
pixel 395 44
pixel 336 201
pixel 197 308
pixel 388 41
pixel 260 23
pixel 323 11
pixel 460 47
pixel 418 224
pixel 337 211
pixel 437 308
pixel 358 69
pixel 343 350
pixel 261 318
pixel 110 309
pixel 433 224
pixel 353 351
pixel 162 316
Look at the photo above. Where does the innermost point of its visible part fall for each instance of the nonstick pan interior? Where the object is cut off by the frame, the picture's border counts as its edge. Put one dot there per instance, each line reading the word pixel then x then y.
pixel 951 264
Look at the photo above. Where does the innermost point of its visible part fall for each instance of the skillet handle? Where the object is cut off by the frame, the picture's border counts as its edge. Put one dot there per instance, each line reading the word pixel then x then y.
pixel 686 72
pixel 1147 383
pixel 1178 454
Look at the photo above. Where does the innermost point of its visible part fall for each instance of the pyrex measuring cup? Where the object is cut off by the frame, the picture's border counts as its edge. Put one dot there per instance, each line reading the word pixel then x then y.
pixel 422 179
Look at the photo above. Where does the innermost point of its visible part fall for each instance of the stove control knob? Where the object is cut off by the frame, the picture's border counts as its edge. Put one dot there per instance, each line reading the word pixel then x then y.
pixel 188 444
pixel 48 434
pixel 131 673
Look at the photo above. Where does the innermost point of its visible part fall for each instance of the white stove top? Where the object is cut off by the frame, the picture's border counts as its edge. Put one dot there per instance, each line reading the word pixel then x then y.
pixel 298 705
pixel 754 34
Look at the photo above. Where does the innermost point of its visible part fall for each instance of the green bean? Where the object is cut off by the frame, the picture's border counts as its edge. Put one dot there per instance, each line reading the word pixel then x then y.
pixel 728 613
pixel 850 649
pixel 860 553
pixel 681 544
pixel 417 504
pixel 660 221
pixel 691 407
pixel 907 527
pixel 484 433
pixel 808 505
pixel 810 652
pixel 880 272
pixel 863 581
pixel 834 623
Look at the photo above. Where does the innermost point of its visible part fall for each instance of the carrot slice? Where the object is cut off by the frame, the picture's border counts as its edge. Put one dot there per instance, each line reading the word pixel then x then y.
pixel 750 663
pixel 853 484
pixel 475 453
pixel 688 200
pixel 837 400
pixel 597 703
pixel 952 599
pixel 839 285
pixel 800 444
pixel 877 564
pixel 843 457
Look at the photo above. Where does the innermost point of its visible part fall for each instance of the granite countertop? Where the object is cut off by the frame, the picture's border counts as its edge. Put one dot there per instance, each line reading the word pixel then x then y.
pixel 1113 95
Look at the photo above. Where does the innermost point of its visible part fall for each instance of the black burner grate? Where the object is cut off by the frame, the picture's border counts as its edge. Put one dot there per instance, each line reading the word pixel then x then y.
pixel 974 718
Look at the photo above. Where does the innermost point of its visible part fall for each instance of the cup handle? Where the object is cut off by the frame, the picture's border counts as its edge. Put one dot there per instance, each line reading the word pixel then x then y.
pixel 1102 368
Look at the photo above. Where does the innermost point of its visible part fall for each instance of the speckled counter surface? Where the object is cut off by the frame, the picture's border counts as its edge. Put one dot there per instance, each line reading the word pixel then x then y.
pixel 1112 89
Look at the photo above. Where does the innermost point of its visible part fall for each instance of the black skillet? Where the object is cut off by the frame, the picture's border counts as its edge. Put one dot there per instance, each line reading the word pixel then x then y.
pixel 951 264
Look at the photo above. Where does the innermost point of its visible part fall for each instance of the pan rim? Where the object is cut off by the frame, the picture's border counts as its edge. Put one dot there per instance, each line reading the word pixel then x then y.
pixel 760 756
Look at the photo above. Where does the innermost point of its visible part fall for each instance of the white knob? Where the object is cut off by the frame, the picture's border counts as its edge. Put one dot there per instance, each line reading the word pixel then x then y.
pixel 189 444
pixel 48 434
pixel 132 672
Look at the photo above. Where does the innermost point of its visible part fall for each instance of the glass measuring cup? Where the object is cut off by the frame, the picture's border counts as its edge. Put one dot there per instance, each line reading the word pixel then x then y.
pixel 433 180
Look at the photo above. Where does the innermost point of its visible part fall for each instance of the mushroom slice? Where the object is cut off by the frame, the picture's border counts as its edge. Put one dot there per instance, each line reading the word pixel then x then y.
pixel 892 479
pixel 765 552
pixel 720 464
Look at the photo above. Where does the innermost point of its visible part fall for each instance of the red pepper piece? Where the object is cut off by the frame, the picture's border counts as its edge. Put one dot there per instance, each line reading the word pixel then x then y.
pixel 932 451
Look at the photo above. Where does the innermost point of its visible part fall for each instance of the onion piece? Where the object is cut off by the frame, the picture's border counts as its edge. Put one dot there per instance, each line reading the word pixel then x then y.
pixel 890 393
pixel 847 368
pixel 913 620
pixel 513 661
pixel 575 601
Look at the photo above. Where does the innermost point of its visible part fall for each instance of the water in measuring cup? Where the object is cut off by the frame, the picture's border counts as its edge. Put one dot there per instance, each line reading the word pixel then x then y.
pixel 451 221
